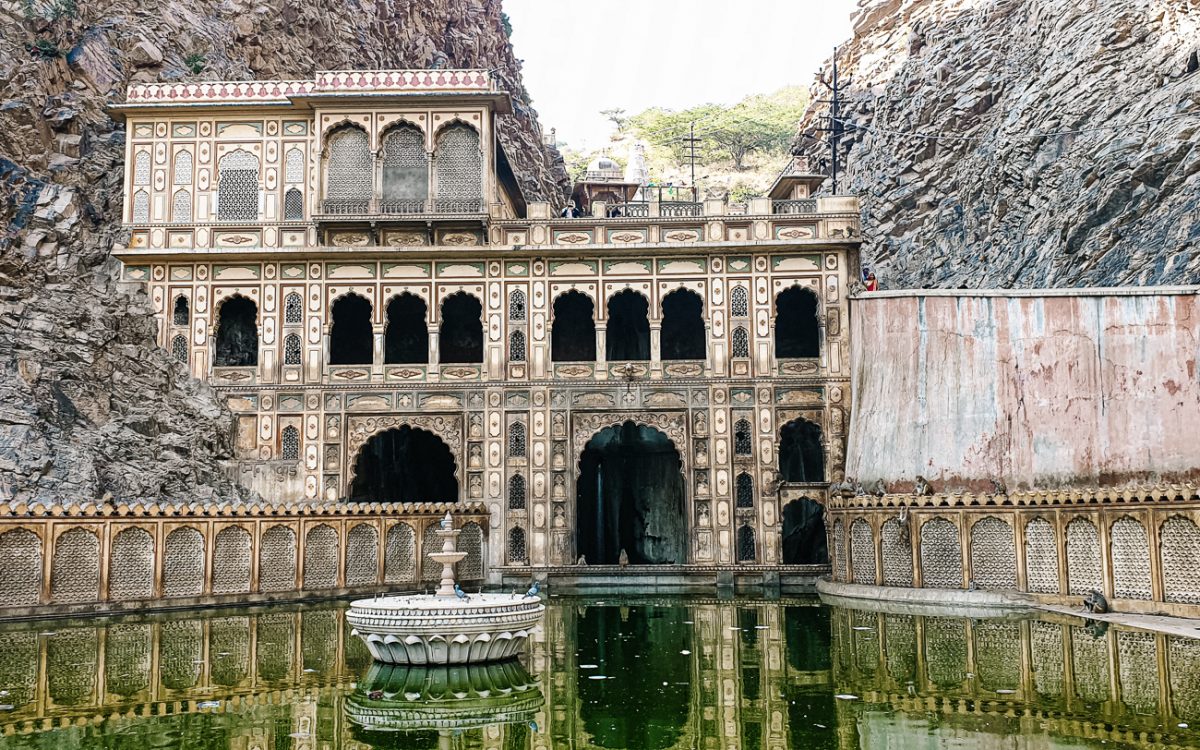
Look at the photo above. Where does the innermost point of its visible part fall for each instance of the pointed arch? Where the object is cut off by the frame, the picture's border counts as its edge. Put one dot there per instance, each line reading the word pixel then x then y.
pixel 362 555
pixel 406 336
pixel 349 173
pixel 237 186
pixel 293 205
pixel 573 328
pixel 131 566
pixel 293 309
pixel 293 349
pixel 627 338
pixel 746 548
pixel 277 559
pixel 293 166
pixel 141 168
pixel 400 555
pixel 516 440
pixel 458 169
pixel 739 302
pixel 183 563
pixel 289 444
pixel 21 561
pixel 405 169
pixel 740 346
pixel 743 438
pixel 351 339
pixel 181 312
pixel 460 337
pixel 801 452
pixel 683 332
pixel 75 567
pixel 237 333
pixel 516 305
pixel 797 327
pixel 744 490
pixel 141 207
pixel 181 206
pixel 516 492
pixel 517 553
pixel 516 346
pixel 183 167
pixel 321 557
pixel 179 348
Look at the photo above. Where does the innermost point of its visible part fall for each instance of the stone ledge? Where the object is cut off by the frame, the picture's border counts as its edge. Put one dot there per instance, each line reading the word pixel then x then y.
pixel 923 601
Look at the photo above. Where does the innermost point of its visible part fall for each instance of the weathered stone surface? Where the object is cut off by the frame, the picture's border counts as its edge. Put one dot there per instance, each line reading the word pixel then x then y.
pixel 1070 152
pixel 89 404
pixel 1031 390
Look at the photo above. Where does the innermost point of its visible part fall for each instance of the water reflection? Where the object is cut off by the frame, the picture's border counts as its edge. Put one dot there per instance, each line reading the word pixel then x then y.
pixel 639 673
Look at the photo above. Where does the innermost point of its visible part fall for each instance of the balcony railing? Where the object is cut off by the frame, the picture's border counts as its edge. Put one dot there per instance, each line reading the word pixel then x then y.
pixel 679 208
pixel 795 206
pixel 399 207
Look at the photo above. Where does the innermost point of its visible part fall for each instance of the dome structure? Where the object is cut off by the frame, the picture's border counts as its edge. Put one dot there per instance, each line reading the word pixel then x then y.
pixel 602 169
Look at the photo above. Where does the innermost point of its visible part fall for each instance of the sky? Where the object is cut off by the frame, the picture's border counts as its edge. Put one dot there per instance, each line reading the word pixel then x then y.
pixel 582 57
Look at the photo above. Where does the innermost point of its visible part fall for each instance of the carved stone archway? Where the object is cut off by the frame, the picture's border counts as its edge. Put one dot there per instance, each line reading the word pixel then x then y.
pixel 447 427
pixel 673 424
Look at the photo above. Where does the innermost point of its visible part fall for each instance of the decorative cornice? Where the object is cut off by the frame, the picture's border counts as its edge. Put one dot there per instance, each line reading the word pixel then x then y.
pixel 1067 497
pixel 91 510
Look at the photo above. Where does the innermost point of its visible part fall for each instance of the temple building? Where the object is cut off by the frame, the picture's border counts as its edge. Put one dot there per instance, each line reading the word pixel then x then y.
pixel 350 263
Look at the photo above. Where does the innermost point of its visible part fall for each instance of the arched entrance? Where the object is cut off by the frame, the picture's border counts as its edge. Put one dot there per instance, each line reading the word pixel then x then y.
pixel 631 497
pixel 804 540
pixel 404 464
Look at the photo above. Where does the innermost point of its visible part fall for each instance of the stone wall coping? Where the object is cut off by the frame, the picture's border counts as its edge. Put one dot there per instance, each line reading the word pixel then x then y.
pixel 1088 496
pixel 325 82
pixel 194 509
pixel 1097 291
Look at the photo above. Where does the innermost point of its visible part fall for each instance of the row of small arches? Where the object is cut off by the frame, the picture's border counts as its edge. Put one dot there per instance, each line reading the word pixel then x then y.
pixel 75 566
pixel 572 335
pixel 181 206
pixel 993 556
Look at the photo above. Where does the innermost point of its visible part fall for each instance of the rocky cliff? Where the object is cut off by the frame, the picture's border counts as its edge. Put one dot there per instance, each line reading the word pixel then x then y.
pixel 1023 143
pixel 89 405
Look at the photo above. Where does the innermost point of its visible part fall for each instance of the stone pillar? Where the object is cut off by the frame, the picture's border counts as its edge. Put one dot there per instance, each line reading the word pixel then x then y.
pixel 655 348
pixel 434 360
pixel 325 331
pixel 377 351
pixel 708 348
pixel 601 354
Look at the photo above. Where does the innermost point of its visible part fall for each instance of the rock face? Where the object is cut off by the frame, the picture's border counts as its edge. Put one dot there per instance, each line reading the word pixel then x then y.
pixel 1068 150
pixel 89 404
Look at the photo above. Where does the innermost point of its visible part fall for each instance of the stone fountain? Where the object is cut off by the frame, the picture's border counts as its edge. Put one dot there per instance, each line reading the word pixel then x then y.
pixel 449 626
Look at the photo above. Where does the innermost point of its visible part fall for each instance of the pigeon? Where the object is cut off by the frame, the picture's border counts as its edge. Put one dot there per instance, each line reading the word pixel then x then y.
pixel 460 593
pixel 534 589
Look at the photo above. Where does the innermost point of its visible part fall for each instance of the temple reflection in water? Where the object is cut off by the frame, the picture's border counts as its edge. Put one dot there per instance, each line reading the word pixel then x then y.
pixel 643 673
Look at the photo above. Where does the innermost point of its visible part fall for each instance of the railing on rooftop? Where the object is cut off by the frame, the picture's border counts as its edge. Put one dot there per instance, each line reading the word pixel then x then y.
pixel 399 207
pixel 679 208
pixel 794 206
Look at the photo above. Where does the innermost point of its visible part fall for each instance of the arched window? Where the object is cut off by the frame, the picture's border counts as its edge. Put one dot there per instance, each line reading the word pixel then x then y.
pixel 801 455
pixel 742 443
pixel 741 342
pixel 516 440
pixel 628 334
pixel 141 207
pixel 745 491
pixel 516 545
pixel 797 331
pixel 179 348
pixel 237 333
pixel 516 346
pixel 289 443
pixel 237 187
pixel 292 350
pixel 516 492
pixel 683 334
pixel 739 302
pixel 406 339
pixel 183 168
pixel 181 315
pixel 458 170
pixel 405 170
pixel 745 544
pixel 293 168
pixel 293 309
pixel 573 331
pixel 293 205
pixel 141 168
pixel 351 341
pixel 460 338
pixel 516 305
pixel 348 181
pixel 181 206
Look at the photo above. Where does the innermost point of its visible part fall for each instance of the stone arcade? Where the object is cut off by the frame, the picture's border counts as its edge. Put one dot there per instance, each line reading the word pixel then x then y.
pixel 350 263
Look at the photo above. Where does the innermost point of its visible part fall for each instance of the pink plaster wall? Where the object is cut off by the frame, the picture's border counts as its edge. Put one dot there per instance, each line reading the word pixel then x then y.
pixel 1095 387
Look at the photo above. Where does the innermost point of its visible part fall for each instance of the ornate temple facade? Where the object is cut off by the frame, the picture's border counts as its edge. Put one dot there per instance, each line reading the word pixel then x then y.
pixel 350 263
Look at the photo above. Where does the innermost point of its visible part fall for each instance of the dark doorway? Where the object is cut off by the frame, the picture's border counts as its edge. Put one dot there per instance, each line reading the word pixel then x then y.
pixel 630 497
pixel 801 456
pixel 182 314
pixel 237 334
pixel 797 332
pixel 406 339
pixel 683 326
pixel 804 540
pixel 460 339
pixel 628 337
pixel 404 465
pixel 573 335
pixel 350 338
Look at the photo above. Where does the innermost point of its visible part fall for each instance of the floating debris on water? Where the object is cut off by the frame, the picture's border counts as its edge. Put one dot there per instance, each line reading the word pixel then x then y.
pixel 597 677
pixel 9 706
pixel 685 652
pixel 588 666
pixel 1005 691
pixel 208 704
pixel 861 627
pixel 846 697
